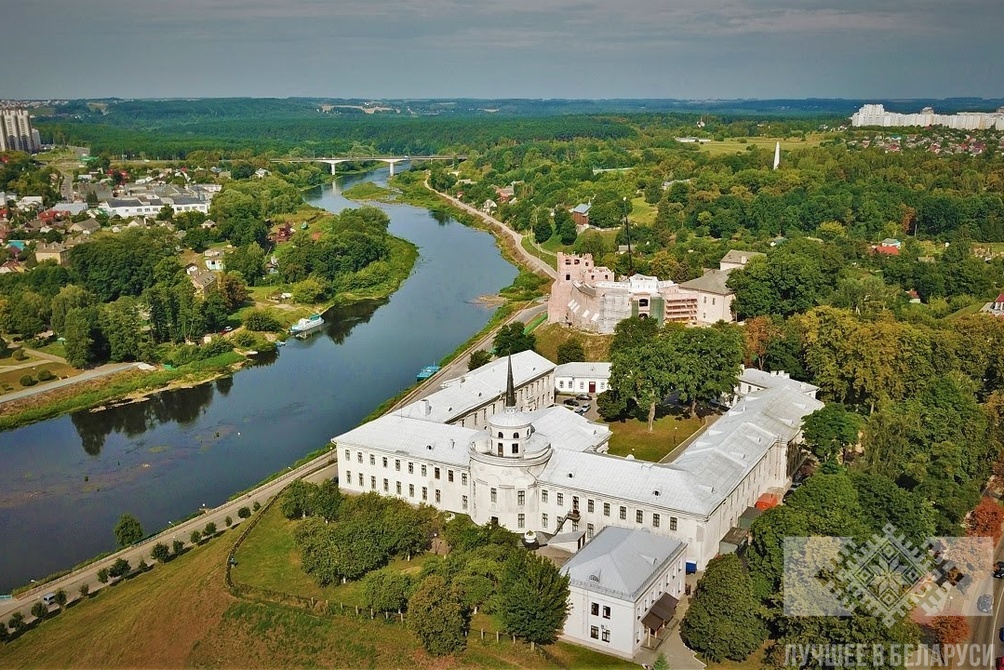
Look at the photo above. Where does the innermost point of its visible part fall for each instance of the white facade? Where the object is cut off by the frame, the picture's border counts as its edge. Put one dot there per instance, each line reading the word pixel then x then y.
pixel 623 589
pixel 576 378
pixel 875 115
pixel 546 469
pixel 16 133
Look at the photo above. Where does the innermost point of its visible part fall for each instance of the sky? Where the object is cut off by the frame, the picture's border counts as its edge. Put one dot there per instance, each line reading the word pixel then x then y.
pixel 689 49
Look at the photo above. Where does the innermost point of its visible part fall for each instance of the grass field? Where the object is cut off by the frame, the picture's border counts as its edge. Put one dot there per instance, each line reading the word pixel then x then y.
pixel 632 436
pixel 737 145
pixel 642 212
pixel 181 615
pixel 11 380
pixel 550 335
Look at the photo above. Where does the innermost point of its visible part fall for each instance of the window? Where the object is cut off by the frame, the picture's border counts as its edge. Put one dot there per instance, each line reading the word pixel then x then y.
pixel 575 503
pixel 386 486
pixel 439 496
pixel 359 457
pixel 360 479
pixel 594 609
pixel 520 520
pixel 449 475
pixel 606 612
pixel 590 530
pixel 372 459
pixel 639 516
pixel 594 632
pixel 385 461
pixel 411 490
pixel 623 513
pixel 397 464
pixel 425 471
pixel 561 384
pixel 463 478
pixel 397 487
pixel 500 434
pixel 561 499
pixel 348 476
pixel 606 635
pixel 348 455
pixel 435 473
pixel 463 501
pixel 373 483
pixel 515 448
pixel 543 495
pixel 575 526
pixel 606 509
pixel 494 495
pixel 425 493
pixel 655 520
pixel 589 506
pixel 411 468
pixel 543 521
pixel 521 498
pixel 672 523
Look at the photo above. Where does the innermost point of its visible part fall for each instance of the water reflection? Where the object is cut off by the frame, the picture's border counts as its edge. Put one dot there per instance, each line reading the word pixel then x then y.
pixel 183 406
pixel 341 320
pixel 224 384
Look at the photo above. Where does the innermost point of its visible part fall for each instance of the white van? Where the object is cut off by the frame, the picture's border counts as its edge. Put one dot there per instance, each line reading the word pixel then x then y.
pixel 49 599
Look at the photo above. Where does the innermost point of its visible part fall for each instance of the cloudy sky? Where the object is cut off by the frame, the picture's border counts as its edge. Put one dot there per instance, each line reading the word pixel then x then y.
pixel 505 48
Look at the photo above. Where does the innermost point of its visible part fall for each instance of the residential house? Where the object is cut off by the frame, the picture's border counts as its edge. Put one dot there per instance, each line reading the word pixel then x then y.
pixel 203 281
pixel 624 587
pixel 737 259
pixel 214 264
pixel 714 298
pixel 86 227
pixel 51 252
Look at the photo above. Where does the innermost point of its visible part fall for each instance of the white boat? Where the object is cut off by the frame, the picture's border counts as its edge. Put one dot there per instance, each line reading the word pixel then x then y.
pixel 306 325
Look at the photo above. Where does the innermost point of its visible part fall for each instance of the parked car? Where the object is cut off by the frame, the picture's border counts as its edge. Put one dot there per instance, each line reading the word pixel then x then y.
pixel 985 603
pixel 999 573
pixel 583 396
pixel 571 403
pixel 999 665
pixel 583 408
pixel 49 599
pixel 1000 634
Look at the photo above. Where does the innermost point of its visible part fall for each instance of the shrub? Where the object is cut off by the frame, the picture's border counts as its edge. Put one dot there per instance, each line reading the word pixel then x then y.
pixel 195 537
pixel 120 568
pixel 256 506
pixel 244 512
pixel 103 575
pixel 19 355
pixel 16 622
pixel 177 547
pixel 261 321
pixel 84 590
pixel 210 530
pixel 45 375
pixel 28 380
pixel 229 521
pixel 39 610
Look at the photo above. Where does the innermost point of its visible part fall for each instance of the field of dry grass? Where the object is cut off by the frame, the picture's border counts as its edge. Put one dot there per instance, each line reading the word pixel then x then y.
pixel 550 335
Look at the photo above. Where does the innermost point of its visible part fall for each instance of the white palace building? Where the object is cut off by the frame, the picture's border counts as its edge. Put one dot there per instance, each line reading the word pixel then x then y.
pixel 492 445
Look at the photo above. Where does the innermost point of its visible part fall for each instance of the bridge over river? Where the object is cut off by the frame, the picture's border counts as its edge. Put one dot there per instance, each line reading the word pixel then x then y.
pixel 390 160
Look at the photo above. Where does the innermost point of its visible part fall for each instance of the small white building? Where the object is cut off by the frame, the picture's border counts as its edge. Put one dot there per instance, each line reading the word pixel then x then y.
pixel 576 378
pixel 624 586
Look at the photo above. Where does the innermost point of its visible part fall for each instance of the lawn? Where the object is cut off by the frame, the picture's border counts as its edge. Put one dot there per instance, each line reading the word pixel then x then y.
pixel 11 379
pixel 738 145
pixel 546 256
pixel 642 212
pixel 550 335
pixel 632 437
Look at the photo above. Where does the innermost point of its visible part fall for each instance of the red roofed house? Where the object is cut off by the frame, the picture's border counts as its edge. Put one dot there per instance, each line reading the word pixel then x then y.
pixel 995 308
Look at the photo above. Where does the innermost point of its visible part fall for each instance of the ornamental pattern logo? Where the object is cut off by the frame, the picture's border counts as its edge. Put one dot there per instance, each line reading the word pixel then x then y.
pixel 887 576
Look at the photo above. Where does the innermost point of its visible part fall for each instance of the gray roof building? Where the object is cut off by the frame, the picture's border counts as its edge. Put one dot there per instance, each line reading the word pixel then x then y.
pixel 621 562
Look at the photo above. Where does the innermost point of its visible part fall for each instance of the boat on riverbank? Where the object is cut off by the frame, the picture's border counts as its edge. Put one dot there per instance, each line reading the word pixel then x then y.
pixel 426 372
pixel 306 325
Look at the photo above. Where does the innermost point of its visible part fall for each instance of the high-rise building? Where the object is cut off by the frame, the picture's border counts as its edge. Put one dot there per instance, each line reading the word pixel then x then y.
pixel 16 133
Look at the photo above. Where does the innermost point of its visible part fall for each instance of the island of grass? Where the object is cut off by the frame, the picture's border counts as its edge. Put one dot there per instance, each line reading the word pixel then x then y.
pixel 670 432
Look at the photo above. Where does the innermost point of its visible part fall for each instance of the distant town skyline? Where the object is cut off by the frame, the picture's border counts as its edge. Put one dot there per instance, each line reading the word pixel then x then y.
pixel 718 49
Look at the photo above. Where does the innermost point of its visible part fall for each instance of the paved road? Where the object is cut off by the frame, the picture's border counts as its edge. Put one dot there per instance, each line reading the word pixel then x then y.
pixel 531 260
pixel 985 628
pixel 100 371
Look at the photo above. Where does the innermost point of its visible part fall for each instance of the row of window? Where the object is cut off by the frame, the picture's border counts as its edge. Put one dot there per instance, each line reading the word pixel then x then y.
pixel 639 515
pixel 596 634
pixel 398 488
pixel 437 472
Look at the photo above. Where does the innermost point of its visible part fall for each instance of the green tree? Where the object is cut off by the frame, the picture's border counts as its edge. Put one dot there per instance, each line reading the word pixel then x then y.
pixel 571 350
pixel 705 362
pixel 17 622
pixel 565 226
pixel 160 552
pixel 830 430
pixel 39 610
pixel 195 537
pixel 512 338
pixel 166 213
pixel 84 590
pixel 177 546
pixel 642 373
pixel 83 339
pixel 69 297
pixel 210 530
pixel 233 289
pixel 438 617
pixel 261 321
pixel 244 512
pixel 542 229
pixel 723 620
pixel 298 500
pixel 479 358
pixel 248 261
pixel 120 568
pixel 128 530
pixel 103 575
pixel 122 327
pixel 61 598
pixel 229 521
pixel 611 406
pixel 310 291
pixel 386 590
pixel 533 603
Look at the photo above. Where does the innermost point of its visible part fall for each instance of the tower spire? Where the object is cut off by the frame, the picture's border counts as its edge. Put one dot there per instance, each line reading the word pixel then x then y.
pixel 510 390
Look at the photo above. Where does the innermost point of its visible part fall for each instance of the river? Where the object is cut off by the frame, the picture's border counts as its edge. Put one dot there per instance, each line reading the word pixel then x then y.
pixel 64 482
